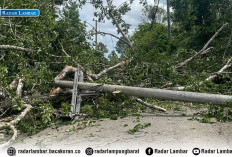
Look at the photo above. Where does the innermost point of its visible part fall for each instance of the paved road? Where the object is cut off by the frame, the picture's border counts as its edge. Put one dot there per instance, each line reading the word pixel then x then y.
pixel 166 131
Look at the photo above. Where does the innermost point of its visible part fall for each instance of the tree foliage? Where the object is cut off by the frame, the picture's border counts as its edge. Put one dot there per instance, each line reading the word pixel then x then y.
pixel 47 37
pixel 200 19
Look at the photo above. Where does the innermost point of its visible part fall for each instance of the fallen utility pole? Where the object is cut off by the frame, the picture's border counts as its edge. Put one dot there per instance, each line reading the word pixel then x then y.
pixel 151 92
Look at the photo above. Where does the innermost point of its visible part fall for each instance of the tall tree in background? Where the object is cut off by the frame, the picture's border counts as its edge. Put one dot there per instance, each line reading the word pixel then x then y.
pixel 102 47
pixel 71 31
pixel 154 13
pixel 201 18
pixel 72 37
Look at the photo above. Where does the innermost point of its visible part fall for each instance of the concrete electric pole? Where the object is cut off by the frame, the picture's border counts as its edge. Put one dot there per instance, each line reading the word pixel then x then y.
pixel 169 21
pixel 95 33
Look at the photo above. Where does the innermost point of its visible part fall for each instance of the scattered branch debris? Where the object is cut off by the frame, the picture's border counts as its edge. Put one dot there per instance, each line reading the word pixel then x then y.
pixel 11 125
pixel 228 64
pixel 138 127
pixel 19 88
pixel 2 56
pixel 68 69
pixel 221 71
pixel 16 84
pixel 150 105
pixel 104 33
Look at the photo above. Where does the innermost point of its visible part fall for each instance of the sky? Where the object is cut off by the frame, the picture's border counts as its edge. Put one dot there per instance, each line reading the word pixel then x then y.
pixel 133 17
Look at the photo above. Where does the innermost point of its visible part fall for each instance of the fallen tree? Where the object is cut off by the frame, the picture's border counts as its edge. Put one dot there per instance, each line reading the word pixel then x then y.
pixel 69 69
pixel 12 124
pixel 211 77
pixel 226 66
pixel 88 75
pixel 204 50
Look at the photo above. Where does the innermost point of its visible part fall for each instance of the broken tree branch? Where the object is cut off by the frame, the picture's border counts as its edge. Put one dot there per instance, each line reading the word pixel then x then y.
pixel 150 105
pixel 10 47
pixel 104 33
pixel 4 113
pixel 207 50
pixel 2 93
pixel 226 66
pixel 97 76
pixel 203 49
pixel 89 76
pixel 12 124
pixel 19 88
pixel 127 41
pixel 22 115
pixel 82 68
pixel 109 3
pixel 67 70
pixel 13 138
pixel 2 56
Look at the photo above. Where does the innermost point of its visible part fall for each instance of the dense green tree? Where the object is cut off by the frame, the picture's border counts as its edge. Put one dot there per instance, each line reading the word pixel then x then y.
pixel 47 37
pixel 32 33
pixel 121 46
pixel 71 31
pixel 200 19
pixel 113 57
pixel 102 47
